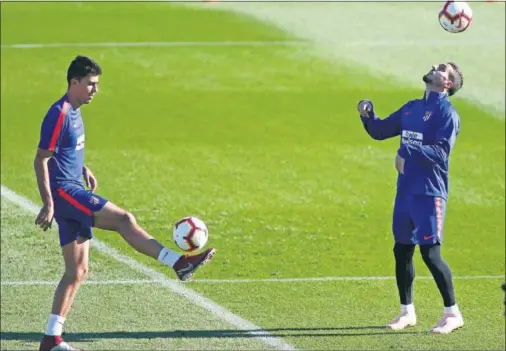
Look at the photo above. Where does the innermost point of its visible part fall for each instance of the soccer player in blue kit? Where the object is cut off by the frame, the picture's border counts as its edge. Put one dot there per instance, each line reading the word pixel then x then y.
pixel 428 128
pixel 60 171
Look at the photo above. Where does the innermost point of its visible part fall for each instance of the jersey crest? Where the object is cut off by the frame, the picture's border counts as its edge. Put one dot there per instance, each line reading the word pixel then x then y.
pixel 427 115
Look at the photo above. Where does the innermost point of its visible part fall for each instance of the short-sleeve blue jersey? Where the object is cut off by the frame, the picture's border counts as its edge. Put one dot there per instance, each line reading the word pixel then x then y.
pixel 62 132
pixel 428 128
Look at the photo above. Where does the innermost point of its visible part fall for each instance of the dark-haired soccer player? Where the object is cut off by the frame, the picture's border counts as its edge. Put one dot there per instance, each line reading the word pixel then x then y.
pixel 428 128
pixel 60 170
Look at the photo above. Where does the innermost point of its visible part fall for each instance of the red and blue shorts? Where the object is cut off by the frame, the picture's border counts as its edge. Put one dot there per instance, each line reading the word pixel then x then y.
pixel 74 207
pixel 418 219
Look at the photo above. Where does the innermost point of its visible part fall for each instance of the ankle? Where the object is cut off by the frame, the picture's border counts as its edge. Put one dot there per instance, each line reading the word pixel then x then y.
pixel 407 309
pixel 168 257
pixel 452 310
pixel 55 325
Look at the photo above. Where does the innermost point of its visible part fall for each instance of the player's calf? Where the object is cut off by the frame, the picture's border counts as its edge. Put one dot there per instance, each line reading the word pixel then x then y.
pixel 404 271
pixel 452 318
pixel 75 255
pixel 441 272
pixel 112 217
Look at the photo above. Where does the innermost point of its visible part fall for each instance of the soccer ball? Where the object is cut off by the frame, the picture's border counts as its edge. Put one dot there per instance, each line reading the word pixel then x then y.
pixel 455 16
pixel 190 234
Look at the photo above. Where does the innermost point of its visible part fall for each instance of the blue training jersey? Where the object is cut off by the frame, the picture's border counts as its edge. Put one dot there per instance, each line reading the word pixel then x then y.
pixel 62 132
pixel 428 128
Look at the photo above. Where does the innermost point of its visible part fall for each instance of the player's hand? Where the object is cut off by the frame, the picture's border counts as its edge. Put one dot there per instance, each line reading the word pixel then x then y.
pixel 364 108
pixel 399 164
pixel 45 217
pixel 89 179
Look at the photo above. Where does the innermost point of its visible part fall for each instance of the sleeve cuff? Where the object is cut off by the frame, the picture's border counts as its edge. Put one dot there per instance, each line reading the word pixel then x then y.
pixel 403 152
pixel 372 117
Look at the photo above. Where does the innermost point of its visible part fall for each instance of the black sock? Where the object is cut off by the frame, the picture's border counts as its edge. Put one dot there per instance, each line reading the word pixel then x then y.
pixel 442 274
pixel 404 271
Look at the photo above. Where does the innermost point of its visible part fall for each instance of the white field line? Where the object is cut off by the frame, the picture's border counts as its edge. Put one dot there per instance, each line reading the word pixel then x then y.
pixel 156 44
pixel 376 43
pixel 231 281
pixel 88 282
pixel 333 279
pixel 174 285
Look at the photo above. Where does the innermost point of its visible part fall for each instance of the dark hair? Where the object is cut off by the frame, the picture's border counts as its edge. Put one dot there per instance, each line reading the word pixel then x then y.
pixel 81 66
pixel 457 78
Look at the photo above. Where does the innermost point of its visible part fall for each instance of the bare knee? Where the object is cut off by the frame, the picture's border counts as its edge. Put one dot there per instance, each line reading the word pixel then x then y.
pixel 77 274
pixel 127 219
pixel 113 217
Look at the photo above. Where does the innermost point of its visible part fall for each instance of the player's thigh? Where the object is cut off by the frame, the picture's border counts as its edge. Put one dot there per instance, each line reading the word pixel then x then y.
pixel 78 204
pixel 402 225
pixel 70 230
pixel 112 217
pixel 429 216
pixel 73 211
pixel 76 257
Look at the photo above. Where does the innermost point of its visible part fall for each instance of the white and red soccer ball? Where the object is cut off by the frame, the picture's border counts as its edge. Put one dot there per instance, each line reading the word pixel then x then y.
pixel 190 234
pixel 455 16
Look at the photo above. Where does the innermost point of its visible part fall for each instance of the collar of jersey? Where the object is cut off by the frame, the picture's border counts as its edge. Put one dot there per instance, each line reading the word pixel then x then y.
pixel 434 96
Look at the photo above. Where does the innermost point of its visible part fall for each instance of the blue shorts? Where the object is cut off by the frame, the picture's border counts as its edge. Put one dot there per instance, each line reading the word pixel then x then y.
pixel 73 211
pixel 418 219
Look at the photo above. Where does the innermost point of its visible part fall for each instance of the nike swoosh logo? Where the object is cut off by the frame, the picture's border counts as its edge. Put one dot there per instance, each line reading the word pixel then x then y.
pixel 428 237
pixel 186 269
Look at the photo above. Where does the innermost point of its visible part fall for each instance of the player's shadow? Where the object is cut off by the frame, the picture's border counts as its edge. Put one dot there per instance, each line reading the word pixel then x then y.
pixel 217 333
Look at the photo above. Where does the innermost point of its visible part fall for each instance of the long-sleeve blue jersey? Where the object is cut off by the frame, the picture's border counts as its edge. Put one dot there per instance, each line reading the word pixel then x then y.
pixel 428 128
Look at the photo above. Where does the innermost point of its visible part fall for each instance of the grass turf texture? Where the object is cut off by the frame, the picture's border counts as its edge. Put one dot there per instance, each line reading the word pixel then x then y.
pixel 262 143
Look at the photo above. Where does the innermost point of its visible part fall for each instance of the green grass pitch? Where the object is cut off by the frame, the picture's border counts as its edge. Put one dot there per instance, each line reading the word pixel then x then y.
pixel 262 141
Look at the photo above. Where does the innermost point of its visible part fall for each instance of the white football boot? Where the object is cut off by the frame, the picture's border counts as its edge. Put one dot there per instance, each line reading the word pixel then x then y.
pixel 407 318
pixel 448 323
pixel 63 346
